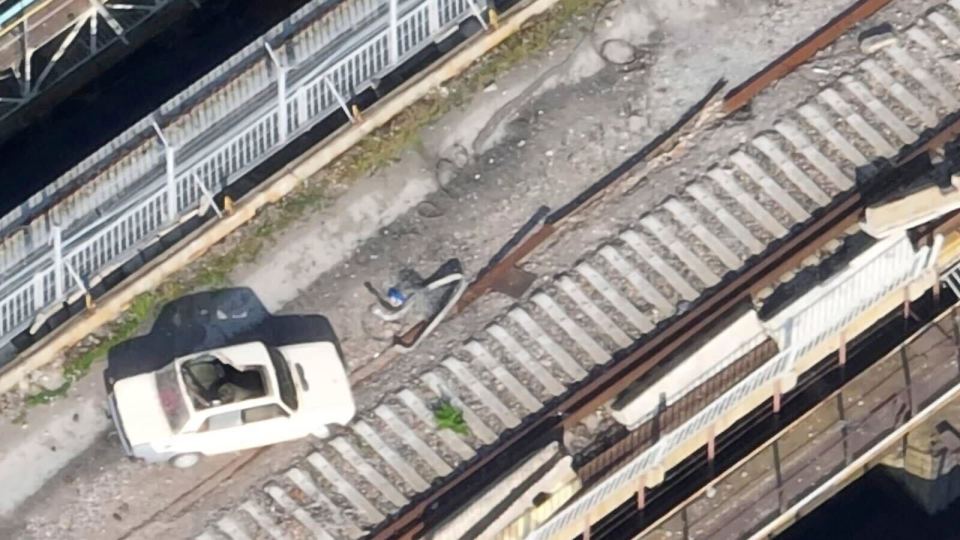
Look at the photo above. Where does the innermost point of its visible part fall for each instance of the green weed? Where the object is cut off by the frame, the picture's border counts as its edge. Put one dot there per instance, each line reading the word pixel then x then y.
pixel 449 416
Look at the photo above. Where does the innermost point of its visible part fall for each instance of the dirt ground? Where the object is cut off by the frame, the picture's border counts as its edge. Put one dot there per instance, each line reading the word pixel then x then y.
pixel 536 136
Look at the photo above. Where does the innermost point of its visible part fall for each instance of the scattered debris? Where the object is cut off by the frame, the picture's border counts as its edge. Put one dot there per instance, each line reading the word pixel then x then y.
pixel 877 38
pixel 618 51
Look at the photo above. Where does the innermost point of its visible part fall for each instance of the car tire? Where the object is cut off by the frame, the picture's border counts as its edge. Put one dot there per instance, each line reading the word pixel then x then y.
pixel 184 461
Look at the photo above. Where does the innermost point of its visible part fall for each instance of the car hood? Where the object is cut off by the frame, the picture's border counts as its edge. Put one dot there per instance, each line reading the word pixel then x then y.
pixel 141 415
pixel 323 383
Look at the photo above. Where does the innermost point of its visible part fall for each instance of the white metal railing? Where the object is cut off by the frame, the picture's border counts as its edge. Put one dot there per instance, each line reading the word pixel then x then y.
pixel 295 85
pixel 951 278
pixel 891 269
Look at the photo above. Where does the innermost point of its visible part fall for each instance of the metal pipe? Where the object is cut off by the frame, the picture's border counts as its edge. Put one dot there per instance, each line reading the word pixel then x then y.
pixel 283 121
pixel 170 157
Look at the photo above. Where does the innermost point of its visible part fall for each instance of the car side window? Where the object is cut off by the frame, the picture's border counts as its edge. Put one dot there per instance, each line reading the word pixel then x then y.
pixel 221 421
pixel 263 412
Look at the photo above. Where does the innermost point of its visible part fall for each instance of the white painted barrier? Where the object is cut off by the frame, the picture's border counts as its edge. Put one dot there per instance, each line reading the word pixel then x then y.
pixel 218 130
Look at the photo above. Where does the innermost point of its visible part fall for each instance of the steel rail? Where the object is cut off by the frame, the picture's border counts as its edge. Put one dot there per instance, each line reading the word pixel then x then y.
pixel 800 53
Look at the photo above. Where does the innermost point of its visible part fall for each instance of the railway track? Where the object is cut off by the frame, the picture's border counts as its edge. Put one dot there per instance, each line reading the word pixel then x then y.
pixel 620 291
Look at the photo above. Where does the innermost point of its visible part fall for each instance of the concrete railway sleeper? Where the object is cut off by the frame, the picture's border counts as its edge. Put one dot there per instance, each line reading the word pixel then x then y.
pixel 572 345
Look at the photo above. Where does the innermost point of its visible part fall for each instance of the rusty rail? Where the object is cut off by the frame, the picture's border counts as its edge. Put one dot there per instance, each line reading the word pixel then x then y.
pixel 945 135
pixel 800 53
pixel 602 386
pixel 712 308
pixel 599 387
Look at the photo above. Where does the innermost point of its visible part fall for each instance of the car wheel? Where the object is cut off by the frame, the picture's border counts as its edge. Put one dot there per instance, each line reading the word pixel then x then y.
pixel 184 461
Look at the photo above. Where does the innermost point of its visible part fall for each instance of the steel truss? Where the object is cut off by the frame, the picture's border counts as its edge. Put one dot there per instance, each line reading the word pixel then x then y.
pixel 48 39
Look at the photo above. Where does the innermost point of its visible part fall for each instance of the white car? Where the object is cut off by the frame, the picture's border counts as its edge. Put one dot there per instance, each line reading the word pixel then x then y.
pixel 232 398
pixel 218 373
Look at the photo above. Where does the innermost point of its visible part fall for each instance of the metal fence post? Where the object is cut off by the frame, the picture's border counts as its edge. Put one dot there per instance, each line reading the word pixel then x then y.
pixel 282 113
pixel 842 413
pixel 642 492
pixel 26 83
pixel 38 296
pixel 394 44
pixel 169 151
pixel 302 111
pixel 57 237
pixel 433 16
pixel 172 205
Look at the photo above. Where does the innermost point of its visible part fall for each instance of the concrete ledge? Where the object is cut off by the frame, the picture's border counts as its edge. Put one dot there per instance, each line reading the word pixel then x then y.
pixel 510 498
pixel 893 216
pixel 539 514
pixel 270 191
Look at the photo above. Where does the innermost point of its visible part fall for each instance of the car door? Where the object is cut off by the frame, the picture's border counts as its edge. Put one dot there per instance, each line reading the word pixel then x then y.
pixel 213 431
pixel 239 428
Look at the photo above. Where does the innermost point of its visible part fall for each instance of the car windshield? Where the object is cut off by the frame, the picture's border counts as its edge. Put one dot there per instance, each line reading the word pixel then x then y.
pixel 288 392
pixel 171 398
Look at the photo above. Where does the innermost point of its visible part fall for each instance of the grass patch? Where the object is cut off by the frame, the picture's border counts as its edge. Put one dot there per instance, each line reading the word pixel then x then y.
pixel 371 153
pixel 140 310
pixel 47 395
pixel 449 416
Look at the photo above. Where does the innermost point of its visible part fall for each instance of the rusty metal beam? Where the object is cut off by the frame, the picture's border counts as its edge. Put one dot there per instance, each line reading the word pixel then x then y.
pixel 488 281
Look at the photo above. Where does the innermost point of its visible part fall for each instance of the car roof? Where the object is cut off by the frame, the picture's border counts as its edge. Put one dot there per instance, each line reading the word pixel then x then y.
pixel 210 320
